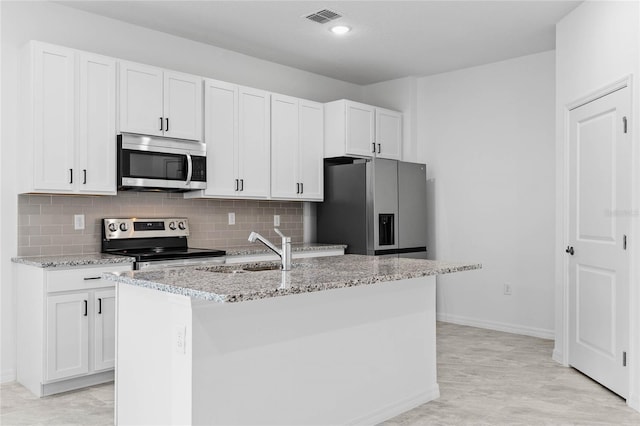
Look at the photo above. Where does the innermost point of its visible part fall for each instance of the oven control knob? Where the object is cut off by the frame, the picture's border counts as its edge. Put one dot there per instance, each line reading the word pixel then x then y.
pixel 123 226
pixel 172 226
pixel 181 225
pixel 113 227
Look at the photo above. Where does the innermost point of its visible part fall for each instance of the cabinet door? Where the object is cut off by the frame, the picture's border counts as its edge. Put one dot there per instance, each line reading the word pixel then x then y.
pixel 67 352
pixel 104 336
pixel 388 134
pixel 54 124
pixel 221 136
pixel 141 99
pixel 182 106
pixel 254 159
pixel 96 142
pixel 311 151
pixel 285 182
pixel 360 120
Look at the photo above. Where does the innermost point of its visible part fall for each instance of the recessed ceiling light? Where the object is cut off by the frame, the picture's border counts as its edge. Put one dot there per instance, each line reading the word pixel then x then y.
pixel 340 29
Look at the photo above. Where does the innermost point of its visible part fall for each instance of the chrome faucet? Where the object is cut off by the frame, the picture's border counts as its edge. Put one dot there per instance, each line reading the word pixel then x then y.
pixel 284 253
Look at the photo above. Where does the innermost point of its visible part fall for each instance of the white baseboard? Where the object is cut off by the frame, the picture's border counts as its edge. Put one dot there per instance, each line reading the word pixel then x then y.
pixel 634 401
pixel 498 326
pixel 558 357
pixel 399 407
pixel 8 376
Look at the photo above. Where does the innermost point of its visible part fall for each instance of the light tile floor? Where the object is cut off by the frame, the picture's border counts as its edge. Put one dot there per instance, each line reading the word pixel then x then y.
pixel 486 378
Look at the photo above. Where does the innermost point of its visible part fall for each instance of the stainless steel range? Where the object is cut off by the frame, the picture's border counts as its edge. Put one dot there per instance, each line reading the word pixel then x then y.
pixel 155 243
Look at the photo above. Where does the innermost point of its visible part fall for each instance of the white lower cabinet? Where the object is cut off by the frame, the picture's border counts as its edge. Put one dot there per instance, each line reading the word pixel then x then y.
pixel 66 327
pixel 104 342
pixel 67 335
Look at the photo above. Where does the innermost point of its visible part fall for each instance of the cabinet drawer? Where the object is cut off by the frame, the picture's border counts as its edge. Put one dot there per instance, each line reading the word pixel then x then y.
pixel 81 278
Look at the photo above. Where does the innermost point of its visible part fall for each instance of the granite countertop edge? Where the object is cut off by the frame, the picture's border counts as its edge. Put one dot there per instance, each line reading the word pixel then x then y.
pixel 63 261
pixel 276 291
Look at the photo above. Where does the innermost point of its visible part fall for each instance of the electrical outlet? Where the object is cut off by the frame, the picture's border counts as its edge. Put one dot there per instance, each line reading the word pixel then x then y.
pixel 78 221
pixel 276 220
pixel 507 289
pixel 181 344
pixel 232 218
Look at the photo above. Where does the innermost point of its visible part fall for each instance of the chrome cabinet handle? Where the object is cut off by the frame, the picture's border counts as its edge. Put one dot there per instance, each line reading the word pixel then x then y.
pixel 85 308
pixel 241 184
pixel 99 305
pixel 297 187
pixel 374 147
pixel 189 169
pixel 301 187
pixel 70 175
pixel 378 148
pixel 167 126
pixel 84 173
pixel 161 129
pixel 569 250
pixel 237 184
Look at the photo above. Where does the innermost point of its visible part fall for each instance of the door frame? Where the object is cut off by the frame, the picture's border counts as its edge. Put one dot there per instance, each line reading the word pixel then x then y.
pixel 561 349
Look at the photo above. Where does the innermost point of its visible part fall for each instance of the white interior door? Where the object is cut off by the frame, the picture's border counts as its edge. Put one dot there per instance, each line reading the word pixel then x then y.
pixel 599 219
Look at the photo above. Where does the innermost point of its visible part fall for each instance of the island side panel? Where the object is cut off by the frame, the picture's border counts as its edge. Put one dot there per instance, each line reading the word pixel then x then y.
pixel 355 355
pixel 153 367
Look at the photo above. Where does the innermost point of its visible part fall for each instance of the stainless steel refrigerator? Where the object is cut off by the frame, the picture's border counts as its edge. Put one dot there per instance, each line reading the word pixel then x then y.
pixel 376 207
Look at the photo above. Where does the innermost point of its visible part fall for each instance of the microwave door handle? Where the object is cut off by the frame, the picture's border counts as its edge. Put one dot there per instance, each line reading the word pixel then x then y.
pixel 189 169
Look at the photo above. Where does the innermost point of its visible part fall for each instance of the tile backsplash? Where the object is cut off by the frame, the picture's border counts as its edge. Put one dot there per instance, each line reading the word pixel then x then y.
pixel 46 222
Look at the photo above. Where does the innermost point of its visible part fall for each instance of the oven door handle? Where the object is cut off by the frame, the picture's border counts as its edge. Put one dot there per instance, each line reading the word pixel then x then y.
pixel 189 169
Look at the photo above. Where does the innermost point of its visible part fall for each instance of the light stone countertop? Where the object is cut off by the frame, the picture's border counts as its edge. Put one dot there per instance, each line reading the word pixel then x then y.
pixel 259 248
pixel 72 260
pixel 229 283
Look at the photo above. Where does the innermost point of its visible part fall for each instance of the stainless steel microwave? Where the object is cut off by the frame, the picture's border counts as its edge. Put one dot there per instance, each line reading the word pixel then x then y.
pixel 148 163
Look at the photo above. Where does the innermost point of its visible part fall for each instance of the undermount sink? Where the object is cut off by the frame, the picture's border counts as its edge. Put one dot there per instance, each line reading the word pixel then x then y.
pixel 261 268
pixel 240 269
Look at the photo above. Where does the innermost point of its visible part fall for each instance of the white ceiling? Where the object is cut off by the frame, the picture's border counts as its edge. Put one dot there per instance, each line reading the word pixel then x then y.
pixel 390 39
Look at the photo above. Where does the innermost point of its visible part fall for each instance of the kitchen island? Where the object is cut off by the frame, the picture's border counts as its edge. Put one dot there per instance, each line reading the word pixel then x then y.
pixel 338 340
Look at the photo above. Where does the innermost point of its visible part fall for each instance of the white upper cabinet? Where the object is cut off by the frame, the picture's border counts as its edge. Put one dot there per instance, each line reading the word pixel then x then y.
pixel 141 100
pixel 236 122
pixel 158 102
pixel 254 148
pixel 388 134
pixel 69 121
pixel 296 149
pixel 360 130
pixel 53 114
pixel 96 151
pixel 182 106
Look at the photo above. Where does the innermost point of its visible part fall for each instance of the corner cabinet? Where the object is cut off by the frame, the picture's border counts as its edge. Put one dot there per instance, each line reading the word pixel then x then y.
pixel 66 327
pixel 158 102
pixel 296 149
pixel 69 130
pixel 237 130
pixel 360 130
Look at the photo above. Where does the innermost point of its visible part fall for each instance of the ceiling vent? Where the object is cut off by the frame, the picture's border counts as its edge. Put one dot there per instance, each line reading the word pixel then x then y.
pixel 323 16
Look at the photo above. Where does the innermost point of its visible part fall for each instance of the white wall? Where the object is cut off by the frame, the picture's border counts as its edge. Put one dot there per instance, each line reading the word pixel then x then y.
pixel 54 23
pixel 598 44
pixel 487 136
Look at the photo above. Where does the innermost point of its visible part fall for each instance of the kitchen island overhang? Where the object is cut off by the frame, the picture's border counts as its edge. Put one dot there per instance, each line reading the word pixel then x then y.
pixel 347 340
